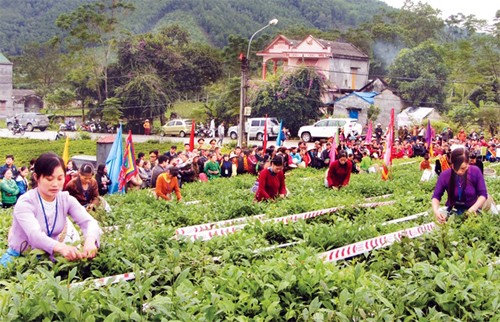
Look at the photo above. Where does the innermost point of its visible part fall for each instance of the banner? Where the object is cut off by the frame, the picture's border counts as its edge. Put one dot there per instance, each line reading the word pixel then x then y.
pixel 264 138
pixel 129 168
pixel 98 282
pixel 279 138
pixel 368 138
pixel 361 247
pixel 188 230
pixel 333 150
pixel 191 137
pixel 114 162
pixel 388 148
pixel 428 138
pixel 205 235
pixel 66 151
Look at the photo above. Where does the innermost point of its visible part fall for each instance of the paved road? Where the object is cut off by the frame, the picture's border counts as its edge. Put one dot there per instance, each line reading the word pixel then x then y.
pixel 51 135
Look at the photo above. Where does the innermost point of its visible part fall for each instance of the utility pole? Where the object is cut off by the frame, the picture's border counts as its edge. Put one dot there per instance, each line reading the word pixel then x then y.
pixel 244 84
pixel 243 98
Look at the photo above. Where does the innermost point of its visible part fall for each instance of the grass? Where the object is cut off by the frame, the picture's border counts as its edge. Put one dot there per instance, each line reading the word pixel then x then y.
pixel 185 109
pixel 26 149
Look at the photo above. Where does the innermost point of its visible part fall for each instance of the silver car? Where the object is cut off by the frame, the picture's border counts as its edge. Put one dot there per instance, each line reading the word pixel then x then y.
pixel 30 121
pixel 178 127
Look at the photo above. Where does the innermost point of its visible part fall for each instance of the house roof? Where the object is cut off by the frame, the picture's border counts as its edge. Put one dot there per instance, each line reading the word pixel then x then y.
pixel 414 115
pixel 290 42
pixel 419 113
pixel 368 97
pixel 23 92
pixel 343 49
pixel 371 83
pixel 337 48
pixel 20 95
pixel 4 60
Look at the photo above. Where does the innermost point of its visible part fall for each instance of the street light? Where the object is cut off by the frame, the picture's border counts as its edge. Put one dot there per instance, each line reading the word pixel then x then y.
pixel 244 70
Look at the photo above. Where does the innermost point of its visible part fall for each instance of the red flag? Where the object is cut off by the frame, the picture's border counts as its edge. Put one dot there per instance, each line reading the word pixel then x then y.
pixel 129 168
pixel 388 148
pixel 191 137
pixel 264 139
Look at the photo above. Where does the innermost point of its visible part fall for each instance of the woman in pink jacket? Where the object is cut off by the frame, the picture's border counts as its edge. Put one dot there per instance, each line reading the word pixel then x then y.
pixel 39 217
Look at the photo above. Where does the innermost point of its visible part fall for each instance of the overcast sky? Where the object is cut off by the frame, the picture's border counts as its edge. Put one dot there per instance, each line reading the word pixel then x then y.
pixel 483 9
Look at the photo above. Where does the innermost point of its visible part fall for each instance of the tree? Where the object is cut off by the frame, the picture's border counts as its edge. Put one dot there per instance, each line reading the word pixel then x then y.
pixel 420 75
pixel 462 115
pixel 92 30
pixel 40 67
pixel 111 112
pixel 61 98
pixel 488 117
pixel 200 66
pixel 487 93
pixel 373 112
pixel 224 103
pixel 419 22
pixel 295 98
pixel 154 70
pixel 144 96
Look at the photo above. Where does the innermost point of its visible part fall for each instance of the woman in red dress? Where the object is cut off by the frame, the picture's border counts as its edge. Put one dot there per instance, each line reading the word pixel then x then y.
pixel 339 172
pixel 272 180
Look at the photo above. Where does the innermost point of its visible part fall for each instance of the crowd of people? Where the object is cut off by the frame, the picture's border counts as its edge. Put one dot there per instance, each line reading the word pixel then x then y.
pixel 59 190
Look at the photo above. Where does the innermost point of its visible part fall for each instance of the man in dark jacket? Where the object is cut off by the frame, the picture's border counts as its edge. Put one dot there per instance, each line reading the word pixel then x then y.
pixel 159 169
pixel 9 164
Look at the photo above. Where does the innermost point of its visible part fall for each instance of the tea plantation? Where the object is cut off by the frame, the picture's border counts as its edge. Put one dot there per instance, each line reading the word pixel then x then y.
pixel 449 273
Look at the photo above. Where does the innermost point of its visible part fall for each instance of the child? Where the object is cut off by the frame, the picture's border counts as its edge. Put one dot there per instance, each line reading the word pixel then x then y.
pixel 425 164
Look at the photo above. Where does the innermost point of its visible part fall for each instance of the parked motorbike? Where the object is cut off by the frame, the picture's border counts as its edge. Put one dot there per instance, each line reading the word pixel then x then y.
pixel 110 129
pixel 202 131
pixel 18 129
pixel 67 126
pixel 88 126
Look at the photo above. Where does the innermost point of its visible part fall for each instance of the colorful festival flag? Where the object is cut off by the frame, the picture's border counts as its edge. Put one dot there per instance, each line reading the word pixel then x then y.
pixel 368 138
pixel 428 138
pixel 129 168
pixel 66 151
pixel 114 162
pixel 333 149
pixel 264 138
pixel 279 138
pixel 191 136
pixel 388 148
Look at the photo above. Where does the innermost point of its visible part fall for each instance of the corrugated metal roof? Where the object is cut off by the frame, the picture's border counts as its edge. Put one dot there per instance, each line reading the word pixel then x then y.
pixel 418 112
pixel 4 60
pixel 368 97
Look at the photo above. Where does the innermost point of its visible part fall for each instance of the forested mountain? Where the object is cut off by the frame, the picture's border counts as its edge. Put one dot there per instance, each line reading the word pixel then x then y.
pixel 211 21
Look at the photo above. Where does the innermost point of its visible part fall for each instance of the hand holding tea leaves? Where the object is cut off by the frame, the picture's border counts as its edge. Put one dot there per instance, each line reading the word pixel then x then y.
pixel 89 248
pixel 69 252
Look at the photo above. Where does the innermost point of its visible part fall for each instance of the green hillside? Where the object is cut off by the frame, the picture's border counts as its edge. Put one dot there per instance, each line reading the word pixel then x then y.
pixel 212 21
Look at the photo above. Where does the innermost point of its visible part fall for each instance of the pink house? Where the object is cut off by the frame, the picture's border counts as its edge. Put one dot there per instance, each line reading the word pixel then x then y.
pixel 344 66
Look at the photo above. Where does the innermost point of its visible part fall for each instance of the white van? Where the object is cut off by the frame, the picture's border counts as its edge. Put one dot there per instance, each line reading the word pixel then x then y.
pixel 255 126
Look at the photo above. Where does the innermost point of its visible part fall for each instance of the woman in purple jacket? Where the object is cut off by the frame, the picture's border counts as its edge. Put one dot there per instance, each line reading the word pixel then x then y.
pixel 39 217
pixel 463 184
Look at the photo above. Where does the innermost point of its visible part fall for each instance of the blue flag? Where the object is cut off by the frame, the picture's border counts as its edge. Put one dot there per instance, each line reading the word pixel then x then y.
pixel 279 138
pixel 114 162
